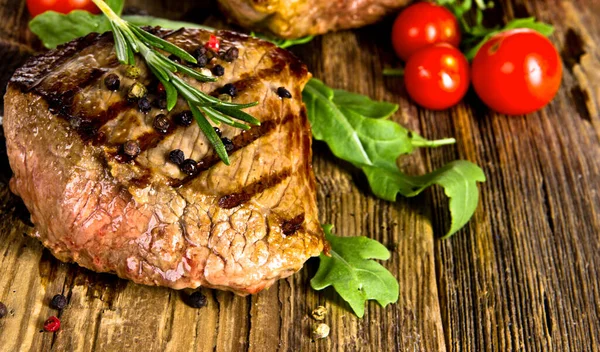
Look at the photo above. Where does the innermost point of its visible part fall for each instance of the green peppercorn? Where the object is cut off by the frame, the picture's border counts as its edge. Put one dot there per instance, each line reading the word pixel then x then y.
pixel 319 313
pixel 137 91
pixel 225 97
pixel 320 331
pixel 133 72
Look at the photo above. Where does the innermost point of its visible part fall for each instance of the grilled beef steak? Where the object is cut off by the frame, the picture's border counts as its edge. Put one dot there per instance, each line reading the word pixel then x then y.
pixel 95 167
pixel 294 19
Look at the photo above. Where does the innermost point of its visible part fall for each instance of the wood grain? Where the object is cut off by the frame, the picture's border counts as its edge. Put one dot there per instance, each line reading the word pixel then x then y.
pixel 523 275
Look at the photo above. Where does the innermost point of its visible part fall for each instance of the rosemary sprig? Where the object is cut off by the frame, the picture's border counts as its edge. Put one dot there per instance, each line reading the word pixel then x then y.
pixel 130 39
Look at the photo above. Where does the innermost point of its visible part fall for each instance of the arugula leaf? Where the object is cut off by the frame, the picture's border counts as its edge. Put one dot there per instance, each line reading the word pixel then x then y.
pixel 362 105
pixel 352 273
pixel 458 178
pixel 361 140
pixel 374 144
pixel 55 28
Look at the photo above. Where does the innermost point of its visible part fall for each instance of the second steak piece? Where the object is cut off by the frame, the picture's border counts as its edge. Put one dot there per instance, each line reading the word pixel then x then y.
pixel 294 19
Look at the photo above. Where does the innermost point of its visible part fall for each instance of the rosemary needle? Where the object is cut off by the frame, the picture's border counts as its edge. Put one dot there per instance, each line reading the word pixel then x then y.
pixel 131 39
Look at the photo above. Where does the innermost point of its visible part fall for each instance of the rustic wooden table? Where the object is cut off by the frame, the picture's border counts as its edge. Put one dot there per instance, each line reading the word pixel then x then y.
pixel 523 275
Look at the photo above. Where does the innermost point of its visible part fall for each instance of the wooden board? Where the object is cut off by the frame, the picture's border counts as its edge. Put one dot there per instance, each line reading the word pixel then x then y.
pixel 523 275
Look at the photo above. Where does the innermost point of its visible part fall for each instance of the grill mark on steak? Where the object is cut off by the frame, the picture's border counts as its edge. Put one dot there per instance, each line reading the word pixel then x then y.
pixel 269 181
pixel 38 67
pixel 291 226
pixel 240 141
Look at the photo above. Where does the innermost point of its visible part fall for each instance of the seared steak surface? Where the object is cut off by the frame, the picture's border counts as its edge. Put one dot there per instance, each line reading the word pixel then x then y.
pixel 294 19
pixel 238 227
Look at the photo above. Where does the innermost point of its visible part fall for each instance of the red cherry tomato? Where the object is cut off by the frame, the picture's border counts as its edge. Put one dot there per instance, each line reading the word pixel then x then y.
pixel 517 72
pixel 437 77
pixel 421 25
pixel 37 7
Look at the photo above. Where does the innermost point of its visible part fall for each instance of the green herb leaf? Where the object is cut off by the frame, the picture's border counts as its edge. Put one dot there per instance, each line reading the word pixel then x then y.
pixel 476 34
pixel 283 43
pixel 529 22
pixel 353 274
pixel 458 178
pixel 141 21
pixel 374 145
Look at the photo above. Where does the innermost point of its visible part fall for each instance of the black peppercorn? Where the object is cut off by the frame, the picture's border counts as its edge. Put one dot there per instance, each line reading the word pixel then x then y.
pixel 112 82
pixel 161 103
pixel 201 61
pixel 131 149
pixel 197 300
pixel 189 167
pixel 3 310
pixel 283 93
pixel 228 144
pixel 218 131
pixel 231 54
pixel 144 105
pixel 58 302
pixel 229 89
pixel 161 123
pixel 200 56
pixel 176 156
pixel 174 58
pixel 218 70
pixel 184 118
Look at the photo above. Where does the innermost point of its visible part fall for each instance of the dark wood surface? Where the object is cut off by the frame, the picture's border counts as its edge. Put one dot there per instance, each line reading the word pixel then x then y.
pixel 523 275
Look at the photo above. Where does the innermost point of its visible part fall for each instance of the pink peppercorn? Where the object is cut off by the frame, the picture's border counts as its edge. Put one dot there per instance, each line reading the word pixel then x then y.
pixel 52 324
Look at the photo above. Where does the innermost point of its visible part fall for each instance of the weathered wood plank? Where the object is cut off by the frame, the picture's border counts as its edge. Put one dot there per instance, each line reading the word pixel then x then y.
pixel 524 274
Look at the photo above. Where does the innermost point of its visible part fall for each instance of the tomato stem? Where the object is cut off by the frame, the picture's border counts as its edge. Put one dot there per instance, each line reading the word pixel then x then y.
pixel 423 143
pixel 393 71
